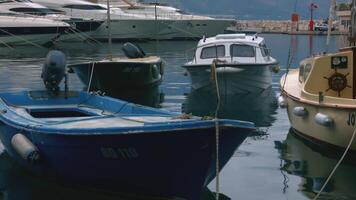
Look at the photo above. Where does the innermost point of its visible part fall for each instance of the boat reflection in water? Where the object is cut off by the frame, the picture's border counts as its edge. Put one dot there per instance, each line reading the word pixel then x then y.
pixel 149 96
pixel 302 159
pixel 257 107
pixel 17 183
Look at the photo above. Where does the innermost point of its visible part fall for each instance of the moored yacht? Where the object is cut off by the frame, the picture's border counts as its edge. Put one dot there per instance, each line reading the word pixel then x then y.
pixel 25 30
pixel 184 26
pixel 242 60
pixel 123 25
pixel 80 27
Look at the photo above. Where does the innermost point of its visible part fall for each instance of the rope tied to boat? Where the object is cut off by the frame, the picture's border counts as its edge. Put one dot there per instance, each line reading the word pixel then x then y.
pixel 214 77
pixel 91 76
pixel 337 165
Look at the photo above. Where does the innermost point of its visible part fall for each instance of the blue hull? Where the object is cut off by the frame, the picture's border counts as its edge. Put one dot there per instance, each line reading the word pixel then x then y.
pixel 173 164
pixel 167 159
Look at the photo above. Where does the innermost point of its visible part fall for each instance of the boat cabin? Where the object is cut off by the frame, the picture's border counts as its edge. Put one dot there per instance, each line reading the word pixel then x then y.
pixel 329 75
pixel 234 49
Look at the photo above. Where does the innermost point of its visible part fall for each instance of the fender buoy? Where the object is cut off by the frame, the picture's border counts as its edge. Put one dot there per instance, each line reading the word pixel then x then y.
pixel 324 120
pixel 300 111
pixel 25 148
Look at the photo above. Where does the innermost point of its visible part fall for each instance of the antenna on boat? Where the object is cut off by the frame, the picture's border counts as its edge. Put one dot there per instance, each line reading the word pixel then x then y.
pixel 330 22
pixel 108 21
pixel 352 32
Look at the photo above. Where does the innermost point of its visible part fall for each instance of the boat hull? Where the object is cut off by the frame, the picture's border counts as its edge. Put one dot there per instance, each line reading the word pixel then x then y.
pixel 176 163
pixel 130 29
pixel 193 29
pixel 336 136
pixel 111 77
pixel 232 79
pixel 80 30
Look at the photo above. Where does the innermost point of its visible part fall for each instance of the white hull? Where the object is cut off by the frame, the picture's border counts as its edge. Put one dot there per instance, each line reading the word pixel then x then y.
pixel 233 80
pixel 130 29
pixel 185 29
pixel 337 136
pixel 38 39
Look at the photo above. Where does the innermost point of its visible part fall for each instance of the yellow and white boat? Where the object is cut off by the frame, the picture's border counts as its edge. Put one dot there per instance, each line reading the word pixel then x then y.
pixel 320 98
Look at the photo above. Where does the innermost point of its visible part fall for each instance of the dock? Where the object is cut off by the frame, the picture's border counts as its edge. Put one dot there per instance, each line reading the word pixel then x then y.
pixel 279 27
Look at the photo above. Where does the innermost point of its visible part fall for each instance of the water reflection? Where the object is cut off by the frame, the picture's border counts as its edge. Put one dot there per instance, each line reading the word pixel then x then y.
pixel 301 159
pixel 149 96
pixel 18 184
pixel 257 107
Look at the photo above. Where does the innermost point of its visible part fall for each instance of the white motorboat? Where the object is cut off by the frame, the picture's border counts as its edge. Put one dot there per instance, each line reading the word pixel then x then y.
pixel 242 63
pixel 123 25
pixel 25 30
pixel 184 25
pixel 80 27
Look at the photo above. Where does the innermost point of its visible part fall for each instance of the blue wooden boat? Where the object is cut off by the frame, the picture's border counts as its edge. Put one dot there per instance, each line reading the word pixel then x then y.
pixel 110 144
pixel 103 143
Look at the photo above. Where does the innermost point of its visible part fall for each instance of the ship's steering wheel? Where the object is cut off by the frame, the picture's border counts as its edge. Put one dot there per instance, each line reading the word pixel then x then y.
pixel 337 82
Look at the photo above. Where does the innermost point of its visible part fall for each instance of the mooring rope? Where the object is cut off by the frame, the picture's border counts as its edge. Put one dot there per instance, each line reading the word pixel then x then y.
pixel 217 131
pixel 337 165
pixel 91 76
pixel 23 39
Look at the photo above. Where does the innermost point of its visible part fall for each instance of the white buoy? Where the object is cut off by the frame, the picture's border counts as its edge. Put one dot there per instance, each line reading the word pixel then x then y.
pixel 300 111
pixel 324 120
pixel 282 102
pixel 25 148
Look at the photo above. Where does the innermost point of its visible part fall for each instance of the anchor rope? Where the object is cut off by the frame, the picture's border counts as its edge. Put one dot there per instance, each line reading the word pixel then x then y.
pixel 21 38
pixel 217 131
pixel 91 76
pixel 8 46
pixel 337 165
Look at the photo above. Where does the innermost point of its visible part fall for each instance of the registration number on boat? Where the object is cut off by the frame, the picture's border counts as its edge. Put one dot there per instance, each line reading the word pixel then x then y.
pixel 116 153
pixel 132 69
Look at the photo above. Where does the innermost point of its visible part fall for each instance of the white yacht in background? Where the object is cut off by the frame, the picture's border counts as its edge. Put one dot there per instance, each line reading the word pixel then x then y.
pixel 184 26
pixel 242 64
pixel 26 30
pixel 80 27
pixel 123 25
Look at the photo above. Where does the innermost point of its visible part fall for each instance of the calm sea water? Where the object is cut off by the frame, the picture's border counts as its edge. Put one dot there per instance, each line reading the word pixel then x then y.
pixel 275 166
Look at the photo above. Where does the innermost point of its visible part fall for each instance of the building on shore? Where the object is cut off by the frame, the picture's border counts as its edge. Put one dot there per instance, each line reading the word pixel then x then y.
pixel 344 20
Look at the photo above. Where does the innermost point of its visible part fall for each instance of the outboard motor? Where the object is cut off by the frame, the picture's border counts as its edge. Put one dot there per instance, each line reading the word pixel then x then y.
pixel 53 71
pixel 132 51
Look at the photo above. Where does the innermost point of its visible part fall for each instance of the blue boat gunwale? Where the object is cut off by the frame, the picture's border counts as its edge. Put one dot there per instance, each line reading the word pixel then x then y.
pixel 11 118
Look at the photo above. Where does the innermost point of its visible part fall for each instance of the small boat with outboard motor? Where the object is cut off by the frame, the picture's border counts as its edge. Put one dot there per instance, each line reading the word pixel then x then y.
pixel 116 73
pixel 94 141
pixel 243 60
pixel 136 70
pixel 320 98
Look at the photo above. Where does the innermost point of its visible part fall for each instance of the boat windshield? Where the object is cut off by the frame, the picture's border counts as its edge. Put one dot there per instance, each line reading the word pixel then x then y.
pixel 36 11
pixel 242 50
pixel 84 7
pixel 213 52
pixel 265 51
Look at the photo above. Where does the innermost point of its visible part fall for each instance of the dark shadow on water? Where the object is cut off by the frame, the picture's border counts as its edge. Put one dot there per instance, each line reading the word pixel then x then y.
pixel 255 107
pixel 300 158
pixel 147 96
pixel 17 183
